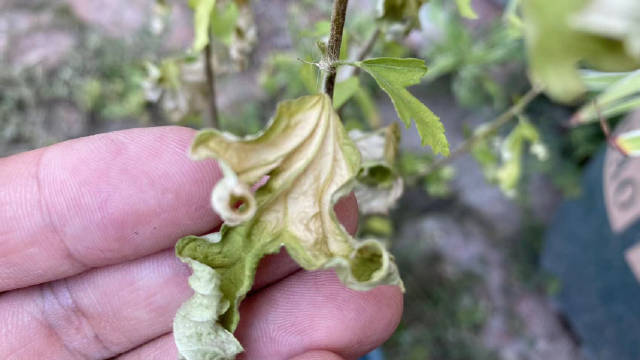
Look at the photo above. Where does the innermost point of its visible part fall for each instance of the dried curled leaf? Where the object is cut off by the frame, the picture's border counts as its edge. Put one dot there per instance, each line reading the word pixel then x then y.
pixel 379 184
pixel 232 199
pixel 198 336
pixel 245 35
pixel 310 163
pixel 178 86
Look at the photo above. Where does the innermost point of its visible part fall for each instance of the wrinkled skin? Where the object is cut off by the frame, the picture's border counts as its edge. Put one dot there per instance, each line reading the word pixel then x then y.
pixel 87 268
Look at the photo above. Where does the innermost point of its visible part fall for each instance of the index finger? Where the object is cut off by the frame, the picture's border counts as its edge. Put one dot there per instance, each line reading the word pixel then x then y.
pixel 99 200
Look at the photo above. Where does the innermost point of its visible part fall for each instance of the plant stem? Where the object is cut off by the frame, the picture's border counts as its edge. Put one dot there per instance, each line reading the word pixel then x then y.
pixel 492 127
pixel 338 17
pixel 211 86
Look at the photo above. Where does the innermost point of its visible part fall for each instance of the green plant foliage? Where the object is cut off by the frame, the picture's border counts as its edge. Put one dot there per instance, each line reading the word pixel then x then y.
pixel 598 81
pixel 223 22
pixel 474 59
pixel 613 19
pixel 399 10
pixel 620 94
pixel 445 312
pixel 465 9
pixel 100 79
pixel 294 208
pixel 556 48
pixel 377 226
pixel 502 159
pixel 393 76
pixel 202 14
pixel 283 75
pixel 508 174
pixel 405 12
pixel 178 86
pixel 438 183
pixel 416 171
pixel 344 90
pixel 629 142
pixel 367 106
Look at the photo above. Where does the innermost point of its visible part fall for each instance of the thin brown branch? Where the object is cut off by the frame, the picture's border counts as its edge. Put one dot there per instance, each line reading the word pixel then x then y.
pixel 338 17
pixel 366 49
pixel 493 126
pixel 604 125
pixel 211 86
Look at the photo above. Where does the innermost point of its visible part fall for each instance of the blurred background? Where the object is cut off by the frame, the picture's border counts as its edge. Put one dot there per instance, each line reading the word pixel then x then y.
pixel 468 236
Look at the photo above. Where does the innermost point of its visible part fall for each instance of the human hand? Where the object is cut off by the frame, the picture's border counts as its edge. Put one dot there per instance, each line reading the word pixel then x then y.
pixel 87 268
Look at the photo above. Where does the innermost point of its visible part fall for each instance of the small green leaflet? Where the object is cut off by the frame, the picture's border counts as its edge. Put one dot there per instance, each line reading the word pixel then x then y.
pixel 393 75
pixel 509 172
pixel 223 22
pixel 502 159
pixel 465 9
pixel 629 142
pixel 202 19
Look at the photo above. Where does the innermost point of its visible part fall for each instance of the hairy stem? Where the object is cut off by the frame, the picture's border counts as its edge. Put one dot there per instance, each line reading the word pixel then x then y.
pixel 338 17
pixel 211 86
pixel 492 127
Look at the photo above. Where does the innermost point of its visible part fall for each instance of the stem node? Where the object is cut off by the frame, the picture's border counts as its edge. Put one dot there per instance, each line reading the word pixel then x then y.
pixel 338 17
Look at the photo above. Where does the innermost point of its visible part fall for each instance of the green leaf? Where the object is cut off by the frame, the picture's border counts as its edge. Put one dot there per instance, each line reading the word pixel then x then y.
pixel 393 76
pixel 197 334
pixel 613 19
pixel 555 48
pixel 223 22
pixel 398 10
pixel 629 142
pixel 465 9
pixel 600 80
pixel 203 10
pixel 308 75
pixel 344 90
pixel 509 172
pixel 309 163
pixel 379 225
pixel 438 183
pixel 620 97
pixel 368 107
